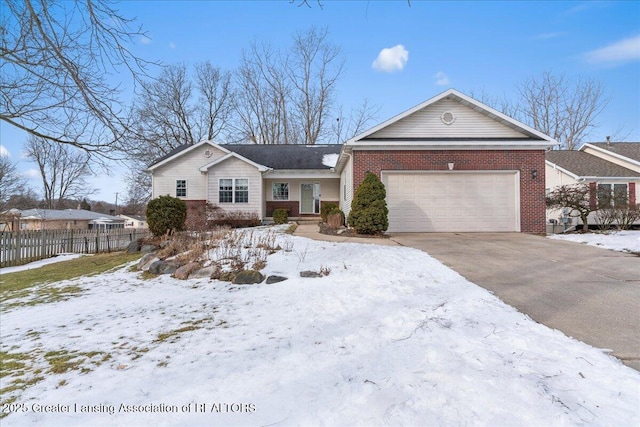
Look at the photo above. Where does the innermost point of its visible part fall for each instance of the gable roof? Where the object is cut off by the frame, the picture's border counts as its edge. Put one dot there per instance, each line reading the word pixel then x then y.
pixel 180 151
pixel 469 102
pixel 206 167
pixel 581 164
pixel 264 156
pixel 630 150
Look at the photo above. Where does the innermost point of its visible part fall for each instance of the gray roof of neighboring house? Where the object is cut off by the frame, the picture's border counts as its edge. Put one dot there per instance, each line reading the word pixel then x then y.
pixel 291 156
pixel 67 214
pixel 583 164
pixel 626 149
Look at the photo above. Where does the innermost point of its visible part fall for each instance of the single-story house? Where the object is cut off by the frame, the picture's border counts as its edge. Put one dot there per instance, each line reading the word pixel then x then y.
pixel 134 221
pixel 610 169
pixel 67 219
pixel 450 163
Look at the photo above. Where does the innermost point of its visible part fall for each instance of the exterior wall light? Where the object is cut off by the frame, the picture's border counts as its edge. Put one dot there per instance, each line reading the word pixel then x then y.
pixel 534 174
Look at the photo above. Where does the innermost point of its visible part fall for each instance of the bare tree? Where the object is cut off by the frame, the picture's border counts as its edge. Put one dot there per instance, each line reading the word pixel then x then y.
pixel 288 97
pixel 263 95
pixel 314 69
pixel 563 110
pixel 55 56
pixel 64 170
pixel 172 110
pixel 11 182
pixel 356 122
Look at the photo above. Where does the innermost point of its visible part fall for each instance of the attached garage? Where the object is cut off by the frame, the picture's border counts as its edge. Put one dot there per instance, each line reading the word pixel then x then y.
pixel 453 201
pixel 452 164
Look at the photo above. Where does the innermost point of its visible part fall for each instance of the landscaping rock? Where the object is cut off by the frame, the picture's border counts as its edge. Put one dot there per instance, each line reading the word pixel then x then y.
pixel 310 273
pixel 248 277
pixel 275 279
pixel 163 267
pixel 184 271
pixel 227 276
pixel 133 247
pixel 146 261
pixel 203 273
pixel 147 249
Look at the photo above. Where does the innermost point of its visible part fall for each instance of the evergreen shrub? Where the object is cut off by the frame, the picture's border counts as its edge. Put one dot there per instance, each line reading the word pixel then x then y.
pixel 369 213
pixel 166 215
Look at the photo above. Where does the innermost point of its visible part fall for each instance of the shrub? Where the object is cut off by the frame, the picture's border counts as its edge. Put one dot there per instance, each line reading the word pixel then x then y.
pixel 216 216
pixel 280 216
pixel 166 215
pixel 326 208
pixel 369 213
pixel 335 218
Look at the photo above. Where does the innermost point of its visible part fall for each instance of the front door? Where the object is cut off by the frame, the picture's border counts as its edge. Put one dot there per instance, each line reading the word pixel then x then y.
pixel 310 198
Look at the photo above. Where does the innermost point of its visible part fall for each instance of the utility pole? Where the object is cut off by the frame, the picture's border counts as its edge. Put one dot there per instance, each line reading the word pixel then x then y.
pixel 116 204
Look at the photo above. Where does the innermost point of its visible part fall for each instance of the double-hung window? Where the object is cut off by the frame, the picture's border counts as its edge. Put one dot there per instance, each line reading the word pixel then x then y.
pixel 612 195
pixel 233 190
pixel 181 188
pixel 280 190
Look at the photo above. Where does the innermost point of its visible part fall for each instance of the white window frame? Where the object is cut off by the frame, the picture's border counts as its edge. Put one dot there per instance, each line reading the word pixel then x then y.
pixel 185 187
pixel 234 190
pixel 273 191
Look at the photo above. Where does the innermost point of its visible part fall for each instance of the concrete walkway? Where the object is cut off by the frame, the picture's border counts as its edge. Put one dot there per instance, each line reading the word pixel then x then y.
pixel 312 231
pixel 588 293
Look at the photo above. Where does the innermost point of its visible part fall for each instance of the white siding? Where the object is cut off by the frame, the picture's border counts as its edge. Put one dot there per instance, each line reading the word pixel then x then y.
pixel 426 123
pixel 346 187
pixel 236 168
pixel 329 188
pixel 185 167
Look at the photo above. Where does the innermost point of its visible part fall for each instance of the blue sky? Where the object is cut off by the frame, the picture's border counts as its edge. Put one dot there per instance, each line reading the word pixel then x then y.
pixel 475 47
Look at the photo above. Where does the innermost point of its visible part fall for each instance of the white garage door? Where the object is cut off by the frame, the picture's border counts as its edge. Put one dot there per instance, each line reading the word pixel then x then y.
pixel 452 201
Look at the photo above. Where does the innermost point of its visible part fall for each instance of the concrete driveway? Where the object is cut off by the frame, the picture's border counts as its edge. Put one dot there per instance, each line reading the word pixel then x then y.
pixel 588 293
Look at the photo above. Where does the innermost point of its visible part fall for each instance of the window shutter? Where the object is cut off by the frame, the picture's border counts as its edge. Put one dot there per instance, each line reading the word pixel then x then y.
pixel 593 190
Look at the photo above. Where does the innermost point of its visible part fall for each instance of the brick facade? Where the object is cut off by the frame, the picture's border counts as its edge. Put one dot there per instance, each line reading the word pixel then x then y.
pixel 532 190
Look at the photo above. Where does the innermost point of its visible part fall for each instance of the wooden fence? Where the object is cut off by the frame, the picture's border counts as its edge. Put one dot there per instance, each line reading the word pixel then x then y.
pixel 26 246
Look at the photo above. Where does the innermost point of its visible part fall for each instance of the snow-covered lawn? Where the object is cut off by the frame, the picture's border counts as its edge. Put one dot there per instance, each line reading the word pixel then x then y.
pixel 623 241
pixel 389 337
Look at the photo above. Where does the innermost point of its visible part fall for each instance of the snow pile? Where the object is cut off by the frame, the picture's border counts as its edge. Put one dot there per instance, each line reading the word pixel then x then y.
pixel 623 241
pixel 38 264
pixel 390 336
pixel 330 160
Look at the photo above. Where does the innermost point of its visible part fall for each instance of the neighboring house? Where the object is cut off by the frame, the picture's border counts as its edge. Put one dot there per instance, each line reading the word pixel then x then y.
pixel 611 170
pixel 448 164
pixel 134 221
pixel 68 219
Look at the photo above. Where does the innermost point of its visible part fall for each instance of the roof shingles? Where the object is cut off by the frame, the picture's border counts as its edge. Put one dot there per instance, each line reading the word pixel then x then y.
pixel 587 165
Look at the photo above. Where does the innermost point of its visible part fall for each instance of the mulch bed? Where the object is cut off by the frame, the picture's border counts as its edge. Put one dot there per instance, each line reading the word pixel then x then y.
pixel 348 232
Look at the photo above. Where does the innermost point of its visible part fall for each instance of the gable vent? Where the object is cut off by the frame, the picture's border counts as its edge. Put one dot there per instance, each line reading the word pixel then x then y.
pixel 448 117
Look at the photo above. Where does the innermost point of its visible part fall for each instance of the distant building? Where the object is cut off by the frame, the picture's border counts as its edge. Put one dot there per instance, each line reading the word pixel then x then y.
pixel 68 219
pixel 134 221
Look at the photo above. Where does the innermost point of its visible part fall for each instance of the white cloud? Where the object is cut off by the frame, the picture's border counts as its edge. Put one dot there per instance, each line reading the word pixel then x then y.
pixel 145 40
pixel 32 173
pixel 441 78
pixel 621 51
pixel 4 152
pixel 391 59
pixel 172 45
